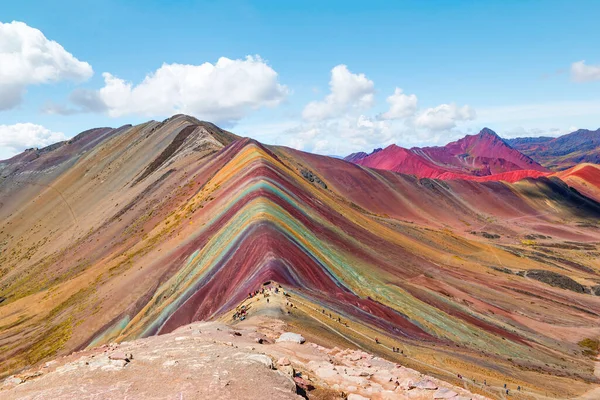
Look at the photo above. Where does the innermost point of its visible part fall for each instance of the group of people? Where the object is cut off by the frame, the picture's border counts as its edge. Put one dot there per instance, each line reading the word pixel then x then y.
pixel 394 349
pixel 339 319
pixel 240 313
pixel 506 389
pixel 265 291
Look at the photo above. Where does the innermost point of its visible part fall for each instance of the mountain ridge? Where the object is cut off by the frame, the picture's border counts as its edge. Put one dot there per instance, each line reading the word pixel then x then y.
pixel 392 254
pixel 483 154
pixel 562 152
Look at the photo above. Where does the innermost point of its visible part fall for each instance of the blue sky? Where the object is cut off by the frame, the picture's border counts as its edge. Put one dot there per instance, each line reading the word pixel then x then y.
pixel 508 65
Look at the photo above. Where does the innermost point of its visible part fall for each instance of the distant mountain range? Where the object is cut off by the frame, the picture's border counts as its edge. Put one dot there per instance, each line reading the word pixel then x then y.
pixel 486 156
pixel 561 152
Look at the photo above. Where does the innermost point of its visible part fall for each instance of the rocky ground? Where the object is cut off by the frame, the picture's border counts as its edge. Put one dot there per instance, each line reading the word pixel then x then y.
pixel 212 360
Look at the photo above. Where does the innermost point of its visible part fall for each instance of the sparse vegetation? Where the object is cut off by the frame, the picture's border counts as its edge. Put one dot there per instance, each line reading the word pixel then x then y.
pixel 486 235
pixel 528 242
pixel 50 342
pixel 591 346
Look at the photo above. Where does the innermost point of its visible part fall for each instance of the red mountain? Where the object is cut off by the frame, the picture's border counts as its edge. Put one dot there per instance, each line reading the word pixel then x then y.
pixel 484 154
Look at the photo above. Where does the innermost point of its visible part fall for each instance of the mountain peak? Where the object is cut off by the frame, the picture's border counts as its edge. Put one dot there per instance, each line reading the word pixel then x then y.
pixel 488 132
pixel 481 154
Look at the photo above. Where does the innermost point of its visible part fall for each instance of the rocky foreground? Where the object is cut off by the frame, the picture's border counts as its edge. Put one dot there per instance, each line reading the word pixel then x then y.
pixel 216 361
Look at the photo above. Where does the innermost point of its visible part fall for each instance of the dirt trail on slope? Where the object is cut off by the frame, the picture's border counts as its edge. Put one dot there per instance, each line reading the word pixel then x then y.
pixel 240 359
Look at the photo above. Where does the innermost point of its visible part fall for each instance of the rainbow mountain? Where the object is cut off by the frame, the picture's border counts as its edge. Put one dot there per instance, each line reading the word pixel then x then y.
pixel 125 233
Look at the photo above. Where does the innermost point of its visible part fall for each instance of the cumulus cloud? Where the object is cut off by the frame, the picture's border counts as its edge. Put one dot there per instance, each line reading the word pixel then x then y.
pixel 339 136
pixel 401 105
pixel 581 72
pixel 27 58
pixel 86 101
pixel 223 92
pixel 347 91
pixel 59 109
pixel 18 137
pixel 337 125
pixel 443 117
pixel 302 137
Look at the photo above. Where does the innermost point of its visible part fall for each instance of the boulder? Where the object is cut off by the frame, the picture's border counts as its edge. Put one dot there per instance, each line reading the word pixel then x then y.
pixel 291 337
pixel 118 355
pixel 290 384
pixel 315 365
pixel 326 373
pixel 443 393
pixel 261 359
pixel 373 389
pixel 383 377
pixel 426 384
pixel 406 384
pixel 287 370
pixel 283 361
pixel 170 363
pixel 357 380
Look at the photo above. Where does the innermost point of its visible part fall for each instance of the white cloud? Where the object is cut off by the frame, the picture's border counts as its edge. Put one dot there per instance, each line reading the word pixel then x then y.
pixel 85 99
pixel 27 57
pixel 340 136
pixel 348 91
pixel 401 105
pixel 223 92
pixel 18 137
pixel 580 72
pixel 335 125
pixel 519 131
pixel 302 137
pixel 443 117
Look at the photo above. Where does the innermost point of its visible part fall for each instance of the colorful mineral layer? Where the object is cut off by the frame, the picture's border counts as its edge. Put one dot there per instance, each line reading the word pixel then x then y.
pixel 121 234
